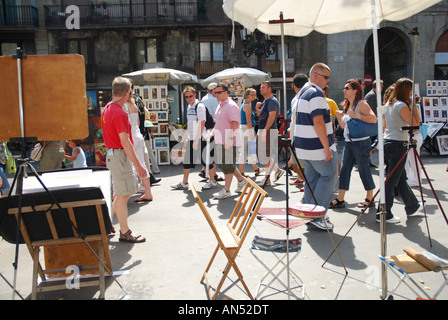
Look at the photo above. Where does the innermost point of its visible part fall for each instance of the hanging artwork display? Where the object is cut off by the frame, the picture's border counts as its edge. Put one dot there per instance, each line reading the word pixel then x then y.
pixel 155 98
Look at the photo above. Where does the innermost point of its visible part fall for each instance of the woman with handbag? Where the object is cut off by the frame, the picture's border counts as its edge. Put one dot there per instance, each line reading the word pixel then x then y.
pixel 398 115
pixel 356 149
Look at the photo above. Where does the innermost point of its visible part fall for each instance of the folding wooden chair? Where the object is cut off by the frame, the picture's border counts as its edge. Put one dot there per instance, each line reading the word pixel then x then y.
pixel 413 262
pixel 231 236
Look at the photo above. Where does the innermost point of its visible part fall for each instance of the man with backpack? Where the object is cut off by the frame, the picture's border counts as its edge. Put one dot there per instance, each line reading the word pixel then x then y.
pixel 198 119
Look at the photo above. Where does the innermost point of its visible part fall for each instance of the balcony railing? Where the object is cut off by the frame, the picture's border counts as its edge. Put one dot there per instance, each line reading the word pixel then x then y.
pixel 134 14
pixel 19 17
pixel 207 68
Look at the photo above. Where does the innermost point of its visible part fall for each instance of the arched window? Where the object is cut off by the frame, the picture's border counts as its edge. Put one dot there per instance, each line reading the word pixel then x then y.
pixel 441 58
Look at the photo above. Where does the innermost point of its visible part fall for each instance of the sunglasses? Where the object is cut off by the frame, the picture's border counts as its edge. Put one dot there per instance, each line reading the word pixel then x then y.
pixel 218 92
pixel 348 88
pixel 188 97
pixel 325 77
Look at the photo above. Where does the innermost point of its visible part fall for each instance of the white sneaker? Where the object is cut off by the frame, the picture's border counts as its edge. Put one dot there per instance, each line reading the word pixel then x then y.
pixel 240 186
pixel 223 194
pixel 210 185
pixel 278 175
pixel 180 186
pixel 319 223
pixel 394 219
pixel 267 183
pixel 420 207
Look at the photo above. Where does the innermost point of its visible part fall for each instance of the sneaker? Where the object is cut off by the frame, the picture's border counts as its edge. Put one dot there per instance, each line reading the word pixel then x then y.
pixel 394 219
pixel 278 175
pixel 297 182
pixel 210 185
pixel 180 186
pixel 240 186
pixel 320 224
pixel 223 194
pixel 420 207
pixel 267 183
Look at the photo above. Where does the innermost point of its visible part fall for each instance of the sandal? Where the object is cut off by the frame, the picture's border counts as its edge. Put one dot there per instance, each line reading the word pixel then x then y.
pixel 128 237
pixel 258 171
pixel 338 204
pixel 365 204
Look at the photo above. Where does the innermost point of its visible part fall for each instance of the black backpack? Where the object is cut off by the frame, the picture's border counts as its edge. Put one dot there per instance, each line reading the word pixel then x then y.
pixel 209 122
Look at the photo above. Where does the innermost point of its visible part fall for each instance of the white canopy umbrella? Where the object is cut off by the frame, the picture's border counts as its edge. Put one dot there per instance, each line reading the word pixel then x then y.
pixel 161 76
pixel 252 77
pixel 328 16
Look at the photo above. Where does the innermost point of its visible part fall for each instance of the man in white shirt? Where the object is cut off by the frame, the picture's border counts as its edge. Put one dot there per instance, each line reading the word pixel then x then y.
pixel 195 144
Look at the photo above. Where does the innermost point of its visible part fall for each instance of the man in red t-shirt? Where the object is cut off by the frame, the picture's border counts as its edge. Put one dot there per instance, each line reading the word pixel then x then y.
pixel 121 155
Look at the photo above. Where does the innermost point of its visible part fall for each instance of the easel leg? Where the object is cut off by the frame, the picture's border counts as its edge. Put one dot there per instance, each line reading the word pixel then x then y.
pixel 35 272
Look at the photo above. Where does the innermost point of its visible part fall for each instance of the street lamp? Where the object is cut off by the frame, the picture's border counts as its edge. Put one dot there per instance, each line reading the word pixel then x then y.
pixel 256 45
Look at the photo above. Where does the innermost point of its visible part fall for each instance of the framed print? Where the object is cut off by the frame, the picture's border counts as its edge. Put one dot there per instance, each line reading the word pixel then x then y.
pixel 154 94
pixel 154 130
pixel 442 142
pixel 163 128
pixel 163 92
pixel 145 93
pixel 435 102
pixel 149 105
pixel 162 116
pixel 428 115
pixel 156 105
pixel 153 116
pixel 163 156
pixel 443 102
pixel 164 105
pixel 161 143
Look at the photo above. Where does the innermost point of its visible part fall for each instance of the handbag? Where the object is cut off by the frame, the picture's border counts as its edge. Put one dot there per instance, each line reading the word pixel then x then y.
pixel 36 152
pixel 360 129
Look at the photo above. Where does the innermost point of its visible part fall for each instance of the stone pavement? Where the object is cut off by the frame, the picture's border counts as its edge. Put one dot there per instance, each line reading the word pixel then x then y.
pixel 169 266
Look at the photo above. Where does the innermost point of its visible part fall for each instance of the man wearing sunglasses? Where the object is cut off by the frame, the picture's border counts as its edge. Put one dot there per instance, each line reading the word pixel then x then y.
pixel 314 142
pixel 195 144
pixel 227 138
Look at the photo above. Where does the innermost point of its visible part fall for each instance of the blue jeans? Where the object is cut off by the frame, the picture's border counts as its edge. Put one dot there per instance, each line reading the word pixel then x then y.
pixel 322 178
pixel 393 152
pixel 358 151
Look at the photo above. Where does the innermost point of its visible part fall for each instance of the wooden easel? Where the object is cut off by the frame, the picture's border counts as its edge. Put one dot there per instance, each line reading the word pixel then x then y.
pixel 70 244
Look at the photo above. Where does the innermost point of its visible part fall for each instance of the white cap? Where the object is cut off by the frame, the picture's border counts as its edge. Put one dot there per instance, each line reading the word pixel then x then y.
pixel 212 86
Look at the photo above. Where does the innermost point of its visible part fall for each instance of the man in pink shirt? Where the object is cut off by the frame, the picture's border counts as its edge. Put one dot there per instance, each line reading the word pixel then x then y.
pixel 227 138
pixel 121 155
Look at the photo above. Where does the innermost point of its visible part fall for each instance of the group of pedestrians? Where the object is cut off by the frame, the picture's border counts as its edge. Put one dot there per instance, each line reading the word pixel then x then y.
pixel 232 139
pixel 314 142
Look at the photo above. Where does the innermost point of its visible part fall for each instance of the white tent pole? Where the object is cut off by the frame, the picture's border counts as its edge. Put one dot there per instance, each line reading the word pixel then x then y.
pixel 380 148
pixel 284 67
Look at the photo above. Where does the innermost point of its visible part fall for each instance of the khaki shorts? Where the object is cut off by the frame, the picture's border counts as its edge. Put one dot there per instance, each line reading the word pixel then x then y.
pixel 226 158
pixel 122 172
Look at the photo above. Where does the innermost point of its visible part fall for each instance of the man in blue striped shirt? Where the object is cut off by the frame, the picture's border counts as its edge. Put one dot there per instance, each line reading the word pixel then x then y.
pixel 314 142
